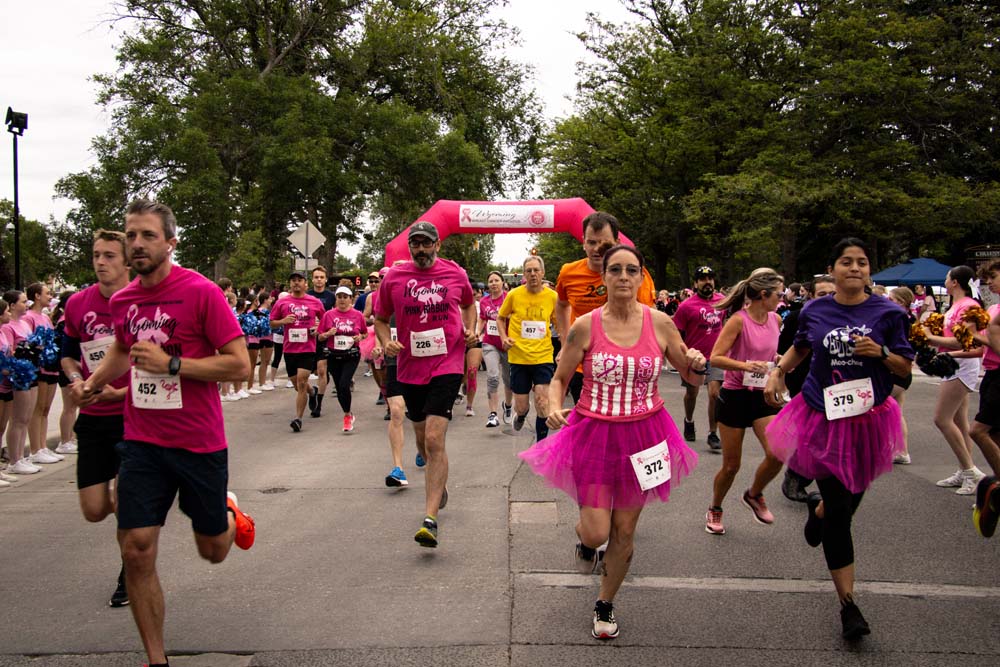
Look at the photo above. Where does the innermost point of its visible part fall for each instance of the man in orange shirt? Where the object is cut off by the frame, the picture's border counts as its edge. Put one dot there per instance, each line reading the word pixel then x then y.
pixel 580 287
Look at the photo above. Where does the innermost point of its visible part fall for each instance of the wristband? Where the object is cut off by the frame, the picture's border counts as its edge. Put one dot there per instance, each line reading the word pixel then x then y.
pixel 703 371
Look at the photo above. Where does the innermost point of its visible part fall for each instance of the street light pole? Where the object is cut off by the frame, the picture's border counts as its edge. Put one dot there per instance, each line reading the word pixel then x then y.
pixel 17 123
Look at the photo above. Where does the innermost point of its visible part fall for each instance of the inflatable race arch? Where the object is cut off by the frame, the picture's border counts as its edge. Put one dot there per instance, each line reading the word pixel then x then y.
pixel 511 217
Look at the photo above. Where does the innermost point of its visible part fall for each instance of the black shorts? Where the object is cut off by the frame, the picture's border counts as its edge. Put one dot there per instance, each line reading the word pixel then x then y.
pixel 253 346
pixel 903 383
pixel 7 396
pixel 151 476
pixel 525 376
pixel 434 398
pixel 740 408
pixel 305 361
pixel 266 343
pixel 97 436
pixel 320 350
pixel 478 345
pixel 64 380
pixel 48 378
pixel 392 385
pixel 989 399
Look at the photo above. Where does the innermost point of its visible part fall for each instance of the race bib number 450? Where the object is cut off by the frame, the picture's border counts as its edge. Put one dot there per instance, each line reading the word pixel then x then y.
pixel 94 351
pixel 156 392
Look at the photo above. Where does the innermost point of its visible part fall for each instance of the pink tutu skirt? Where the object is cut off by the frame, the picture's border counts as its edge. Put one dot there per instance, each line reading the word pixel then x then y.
pixel 589 459
pixel 368 344
pixel 855 450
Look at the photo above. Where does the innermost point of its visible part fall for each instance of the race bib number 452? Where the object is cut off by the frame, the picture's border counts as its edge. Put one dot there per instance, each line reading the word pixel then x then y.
pixel 156 392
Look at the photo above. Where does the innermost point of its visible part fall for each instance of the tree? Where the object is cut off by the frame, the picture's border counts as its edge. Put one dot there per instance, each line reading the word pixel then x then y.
pixel 38 263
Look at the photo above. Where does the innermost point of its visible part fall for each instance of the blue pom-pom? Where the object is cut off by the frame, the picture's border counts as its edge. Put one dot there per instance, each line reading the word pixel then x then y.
pixel 20 372
pixel 44 339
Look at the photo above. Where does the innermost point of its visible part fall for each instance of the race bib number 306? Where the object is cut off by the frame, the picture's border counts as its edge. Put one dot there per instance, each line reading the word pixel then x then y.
pixel 156 392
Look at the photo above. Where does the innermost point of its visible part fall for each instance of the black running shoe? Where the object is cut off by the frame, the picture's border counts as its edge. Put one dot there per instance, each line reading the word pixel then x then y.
pixel 854 624
pixel 427 536
pixel 987 506
pixel 689 433
pixel 296 425
pixel 791 488
pixel 120 597
pixel 313 391
pixel 519 421
pixel 605 626
pixel 713 442
pixel 813 530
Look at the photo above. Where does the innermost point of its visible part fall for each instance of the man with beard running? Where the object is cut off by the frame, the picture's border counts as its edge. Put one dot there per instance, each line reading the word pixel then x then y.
pixel 87 334
pixel 299 314
pixel 435 313
pixel 700 325
pixel 176 336
pixel 327 298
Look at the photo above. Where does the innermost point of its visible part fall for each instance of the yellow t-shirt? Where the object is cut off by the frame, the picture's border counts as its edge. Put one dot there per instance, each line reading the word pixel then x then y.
pixel 529 325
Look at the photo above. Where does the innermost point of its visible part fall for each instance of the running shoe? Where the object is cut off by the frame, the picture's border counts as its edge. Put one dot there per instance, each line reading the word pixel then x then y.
pixel 267 386
pixel 7 477
pixel 757 505
pixel 605 626
pixel 396 478
pixel 519 421
pixel 508 411
pixel 460 398
pixel 492 421
pixel 234 396
pixel 296 425
pixel 380 400
pixel 444 499
pixel 469 412
pixel 902 459
pixel 791 488
pixel 854 624
pixel 23 467
pixel 245 530
pixel 242 393
pixel 813 530
pixel 45 456
pixel 348 423
pixel 66 448
pixel 120 597
pixel 969 482
pixel 313 376
pixel 420 461
pixel 713 442
pixel 713 521
pixel 586 559
pixel 987 506
pixel 427 536
pixel 313 392
pixel 255 391
pixel 952 480
pixel 689 433
pixel 289 385
pixel 4 484
pixel 387 416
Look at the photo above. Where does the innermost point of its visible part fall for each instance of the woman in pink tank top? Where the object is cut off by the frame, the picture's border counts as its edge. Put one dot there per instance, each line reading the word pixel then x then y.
pixel 746 350
pixel 618 448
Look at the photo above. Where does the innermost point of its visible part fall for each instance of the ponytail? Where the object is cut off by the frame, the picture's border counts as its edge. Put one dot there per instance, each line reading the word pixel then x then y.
pixel 753 287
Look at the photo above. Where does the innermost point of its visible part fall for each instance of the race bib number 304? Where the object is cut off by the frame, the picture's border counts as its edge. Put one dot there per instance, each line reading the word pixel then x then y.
pixel 156 392
pixel 652 466
pixel 94 351
pixel 849 399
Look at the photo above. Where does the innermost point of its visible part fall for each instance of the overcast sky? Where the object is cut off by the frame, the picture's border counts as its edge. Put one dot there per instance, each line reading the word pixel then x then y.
pixel 51 49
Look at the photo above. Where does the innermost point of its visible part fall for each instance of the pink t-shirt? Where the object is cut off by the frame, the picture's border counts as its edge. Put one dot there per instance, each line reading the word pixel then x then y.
pixel 307 311
pixel 88 320
pixel 188 316
pixel 36 320
pixel 346 323
pixel 427 304
pixel 16 331
pixel 991 361
pixel 700 324
pixel 954 315
pixel 756 342
pixel 488 309
pixel 620 383
pixel 6 349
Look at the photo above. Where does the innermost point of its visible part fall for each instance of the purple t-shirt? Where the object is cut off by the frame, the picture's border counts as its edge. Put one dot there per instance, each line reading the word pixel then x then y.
pixel 88 320
pixel 488 309
pixel 346 323
pixel 427 304
pixel 826 328
pixel 188 316
pixel 307 311
pixel 700 324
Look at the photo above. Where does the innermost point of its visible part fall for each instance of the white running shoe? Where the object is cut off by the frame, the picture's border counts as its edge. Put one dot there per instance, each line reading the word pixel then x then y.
pixel 23 467
pixel 255 391
pixel 952 480
pixel 234 396
pixel 4 484
pixel 289 385
pixel 469 412
pixel 242 393
pixel 267 386
pixel 68 447
pixel 969 483
pixel 902 459
pixel 7 477
pixel 313 376
pixel 43 456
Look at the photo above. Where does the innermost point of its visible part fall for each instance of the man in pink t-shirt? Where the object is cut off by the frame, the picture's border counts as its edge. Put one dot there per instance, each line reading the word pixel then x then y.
pixel 700 324
pixel 435 312
pixel 177 338
pixel 299 313
pixel 87 333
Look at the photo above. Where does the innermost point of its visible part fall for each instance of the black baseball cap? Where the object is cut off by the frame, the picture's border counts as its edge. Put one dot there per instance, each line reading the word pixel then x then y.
pixel 704 272
pixel 423 229
pixel 297 274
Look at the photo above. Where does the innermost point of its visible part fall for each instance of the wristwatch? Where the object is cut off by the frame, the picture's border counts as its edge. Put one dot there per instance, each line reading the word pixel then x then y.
pixel 175 366
pixel 885 351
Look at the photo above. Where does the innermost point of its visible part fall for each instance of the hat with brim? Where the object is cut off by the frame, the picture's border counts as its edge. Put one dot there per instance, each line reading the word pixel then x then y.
pixel 344 290
pixel 423 229
pixel 297 274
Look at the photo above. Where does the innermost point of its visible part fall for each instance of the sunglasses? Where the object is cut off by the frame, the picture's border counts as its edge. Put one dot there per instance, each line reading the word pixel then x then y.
pixel 373 280
pixel 421 243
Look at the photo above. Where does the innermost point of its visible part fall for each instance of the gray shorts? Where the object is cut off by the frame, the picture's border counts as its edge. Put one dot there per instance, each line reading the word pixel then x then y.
pixel 713 375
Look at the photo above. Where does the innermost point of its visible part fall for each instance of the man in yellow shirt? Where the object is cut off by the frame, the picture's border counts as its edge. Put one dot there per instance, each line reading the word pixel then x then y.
pixel 525 324
pixel 580 286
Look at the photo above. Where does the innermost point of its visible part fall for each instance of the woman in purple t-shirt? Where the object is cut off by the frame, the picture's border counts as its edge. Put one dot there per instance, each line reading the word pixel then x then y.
pixel 843 429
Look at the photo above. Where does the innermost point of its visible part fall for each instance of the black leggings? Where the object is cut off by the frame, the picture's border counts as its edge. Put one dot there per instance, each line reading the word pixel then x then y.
pixel 276 361
pixel 342 369
pixel 839 506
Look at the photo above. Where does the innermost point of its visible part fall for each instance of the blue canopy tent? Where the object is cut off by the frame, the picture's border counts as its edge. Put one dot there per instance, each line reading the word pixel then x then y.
pixel 920 271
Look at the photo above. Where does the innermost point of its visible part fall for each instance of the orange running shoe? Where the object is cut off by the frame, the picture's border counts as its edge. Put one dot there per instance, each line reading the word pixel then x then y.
pixel 245 530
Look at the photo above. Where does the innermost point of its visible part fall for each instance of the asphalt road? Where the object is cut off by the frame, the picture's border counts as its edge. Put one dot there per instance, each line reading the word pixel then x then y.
pixel 335 577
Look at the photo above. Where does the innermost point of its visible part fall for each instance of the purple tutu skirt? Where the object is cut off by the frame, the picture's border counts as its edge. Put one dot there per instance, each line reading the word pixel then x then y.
pixel 589 459
pixel 855 450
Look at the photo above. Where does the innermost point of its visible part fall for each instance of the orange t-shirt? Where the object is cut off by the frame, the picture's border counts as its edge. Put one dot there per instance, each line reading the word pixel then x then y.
pixel 584 289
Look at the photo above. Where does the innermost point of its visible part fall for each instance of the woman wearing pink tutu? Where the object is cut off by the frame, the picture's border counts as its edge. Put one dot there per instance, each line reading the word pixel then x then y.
pixel 843 429
pixel 618 448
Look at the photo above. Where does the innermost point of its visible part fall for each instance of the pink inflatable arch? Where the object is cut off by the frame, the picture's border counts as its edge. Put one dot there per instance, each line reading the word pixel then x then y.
pixel 503 217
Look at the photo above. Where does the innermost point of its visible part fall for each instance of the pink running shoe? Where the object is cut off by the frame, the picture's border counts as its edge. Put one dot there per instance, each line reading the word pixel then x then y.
pixel 348 423
pixel 713 522
pixel 759 508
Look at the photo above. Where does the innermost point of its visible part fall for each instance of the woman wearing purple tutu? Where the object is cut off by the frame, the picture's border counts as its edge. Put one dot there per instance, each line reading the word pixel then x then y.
pixel 843 429
pixel 618 448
